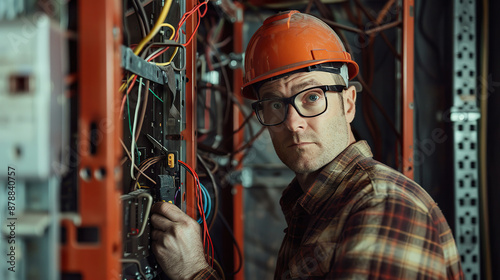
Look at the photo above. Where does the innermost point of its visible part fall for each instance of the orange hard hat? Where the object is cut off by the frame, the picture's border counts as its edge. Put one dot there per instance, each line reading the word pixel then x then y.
pixel 290 41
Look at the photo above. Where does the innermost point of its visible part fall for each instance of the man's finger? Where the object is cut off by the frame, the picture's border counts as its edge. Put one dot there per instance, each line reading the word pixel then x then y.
pixel 157 236
pixel 169 211
pixel 160 222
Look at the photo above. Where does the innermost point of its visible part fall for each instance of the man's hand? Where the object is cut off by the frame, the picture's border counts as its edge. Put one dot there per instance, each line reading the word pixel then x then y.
pixel 177 242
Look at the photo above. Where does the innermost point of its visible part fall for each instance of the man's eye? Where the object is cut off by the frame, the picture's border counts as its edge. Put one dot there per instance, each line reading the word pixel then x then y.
pixel 313 97
pixel 276 105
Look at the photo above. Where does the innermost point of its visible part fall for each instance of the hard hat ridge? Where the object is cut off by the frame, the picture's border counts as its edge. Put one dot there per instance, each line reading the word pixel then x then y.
pixel 330 67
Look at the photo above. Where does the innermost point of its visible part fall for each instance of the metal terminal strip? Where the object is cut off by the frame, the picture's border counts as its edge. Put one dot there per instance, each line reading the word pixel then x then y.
pixel 464 116
pixel 141 67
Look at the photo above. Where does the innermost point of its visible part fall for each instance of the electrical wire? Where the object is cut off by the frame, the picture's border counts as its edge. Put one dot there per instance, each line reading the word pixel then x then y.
pixel 207 240
pixel 147 164
pixel 146 214
pixel 207 203
pixel 130 12
pixel 153 54
pixel 133 142
pixel 130 129
pixel 140 18
pixel 238 250
pixel 215 188
pixel 159 23
pixel 183 20
pixel 171 28
pixel 250 142
pixel 133 78
pixel 143 111
pixel 150 90
pixel 187 15
pixel 135 166
pixel 156 27
pixel 143 16
pixel 138 265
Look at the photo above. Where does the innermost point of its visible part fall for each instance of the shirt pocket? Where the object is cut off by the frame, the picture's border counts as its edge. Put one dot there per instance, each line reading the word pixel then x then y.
pixel 312 260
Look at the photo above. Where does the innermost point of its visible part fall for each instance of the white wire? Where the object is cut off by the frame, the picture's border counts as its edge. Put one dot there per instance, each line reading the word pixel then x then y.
pixel 154 53
pixel 133 144
pixel 146 214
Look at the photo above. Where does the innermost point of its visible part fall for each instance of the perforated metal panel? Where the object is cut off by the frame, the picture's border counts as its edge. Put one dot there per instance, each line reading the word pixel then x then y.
pixel 464 115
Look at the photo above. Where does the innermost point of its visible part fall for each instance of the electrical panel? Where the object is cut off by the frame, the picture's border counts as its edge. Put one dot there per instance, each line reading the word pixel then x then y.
pixel 33 107
pixel 34 114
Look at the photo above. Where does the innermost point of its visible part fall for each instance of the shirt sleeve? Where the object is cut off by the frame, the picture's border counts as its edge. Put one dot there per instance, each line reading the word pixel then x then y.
pixel 391 238
pixel 207 274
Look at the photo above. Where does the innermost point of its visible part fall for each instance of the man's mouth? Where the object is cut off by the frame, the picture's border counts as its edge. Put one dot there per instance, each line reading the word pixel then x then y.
pixel 299 144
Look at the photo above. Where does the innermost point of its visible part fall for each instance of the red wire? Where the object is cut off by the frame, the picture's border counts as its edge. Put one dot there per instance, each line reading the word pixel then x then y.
pixel 207 240
pixel 181 23
pixel 125 96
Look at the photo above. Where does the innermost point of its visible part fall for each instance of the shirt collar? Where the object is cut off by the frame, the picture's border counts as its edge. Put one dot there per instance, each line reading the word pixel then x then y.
pixel 326 183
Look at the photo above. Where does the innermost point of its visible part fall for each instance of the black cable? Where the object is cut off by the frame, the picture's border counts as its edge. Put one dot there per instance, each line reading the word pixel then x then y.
pixel 142 24
pixel 143 15
pixel 240 256
pixel 129 12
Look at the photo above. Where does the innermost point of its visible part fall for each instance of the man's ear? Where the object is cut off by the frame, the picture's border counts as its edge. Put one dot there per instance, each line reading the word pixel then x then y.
pixel 349 98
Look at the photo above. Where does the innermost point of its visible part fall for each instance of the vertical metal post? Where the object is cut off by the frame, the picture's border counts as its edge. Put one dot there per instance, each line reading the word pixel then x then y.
pixel 238 206
pixel 407 107
pixel 189 134
pixel 99 40
pixel 464 115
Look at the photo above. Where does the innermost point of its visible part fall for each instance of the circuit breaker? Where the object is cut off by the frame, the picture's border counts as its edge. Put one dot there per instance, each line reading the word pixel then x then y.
pixel 33 131
pixel 32 101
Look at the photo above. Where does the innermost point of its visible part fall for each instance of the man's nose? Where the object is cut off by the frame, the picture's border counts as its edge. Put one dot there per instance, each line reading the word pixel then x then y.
pixel 294 121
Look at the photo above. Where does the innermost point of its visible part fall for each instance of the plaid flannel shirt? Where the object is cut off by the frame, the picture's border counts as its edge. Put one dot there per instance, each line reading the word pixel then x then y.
pixel 207 274
pixel 363 220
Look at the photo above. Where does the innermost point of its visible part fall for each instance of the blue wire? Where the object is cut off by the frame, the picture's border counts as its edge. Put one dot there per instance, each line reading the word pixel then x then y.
pixel 207 213
pixel 204 200
pixel 207 203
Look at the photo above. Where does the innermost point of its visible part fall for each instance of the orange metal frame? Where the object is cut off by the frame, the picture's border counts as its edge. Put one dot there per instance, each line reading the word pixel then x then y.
pixel 99 40
pixel 189 134
pixel 238 140
pixel 407 71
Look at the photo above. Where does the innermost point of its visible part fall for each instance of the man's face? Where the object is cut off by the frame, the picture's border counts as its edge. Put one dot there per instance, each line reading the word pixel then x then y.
pixel 307 144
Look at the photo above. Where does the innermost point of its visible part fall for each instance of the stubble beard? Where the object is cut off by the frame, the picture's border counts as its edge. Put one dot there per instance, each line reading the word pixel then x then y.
pixel 311 158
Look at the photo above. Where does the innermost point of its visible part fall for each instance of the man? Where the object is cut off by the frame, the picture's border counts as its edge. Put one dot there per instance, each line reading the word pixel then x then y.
pixel 348 216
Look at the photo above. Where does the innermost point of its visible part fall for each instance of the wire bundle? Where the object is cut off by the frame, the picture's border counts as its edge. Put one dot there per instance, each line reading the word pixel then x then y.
pixel 207 240
pixel 182 21
pixel 159 23
pixel 207 203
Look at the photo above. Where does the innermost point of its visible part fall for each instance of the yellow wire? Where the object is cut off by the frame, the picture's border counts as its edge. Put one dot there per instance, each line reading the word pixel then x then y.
pixel 124 85
pixel 171 28
pixel 176 49
pixel 159 23
pixel 171 58
pixel 155 28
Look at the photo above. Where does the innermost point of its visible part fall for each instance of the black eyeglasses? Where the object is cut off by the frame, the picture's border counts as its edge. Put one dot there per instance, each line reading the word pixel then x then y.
pixel 309 103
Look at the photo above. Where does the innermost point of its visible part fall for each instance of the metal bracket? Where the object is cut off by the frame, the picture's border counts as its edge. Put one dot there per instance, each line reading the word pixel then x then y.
pixel 141 67
pixel 236 60
pixel 465 116
pixel 243 177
